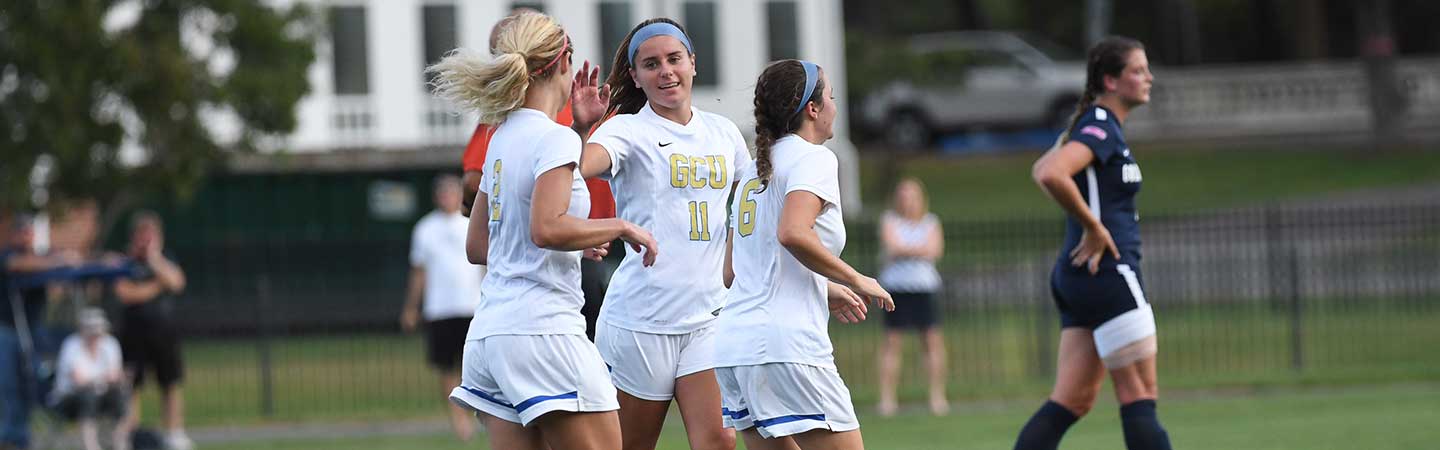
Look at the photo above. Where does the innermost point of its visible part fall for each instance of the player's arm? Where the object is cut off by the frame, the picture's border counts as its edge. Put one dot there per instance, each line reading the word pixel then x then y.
pixel 132 292
pixel 477 235
pixel 588 101
pixel 729 274
pixel 1054 173
pixel 594 160
pixel 39 263
pixel 797 235
pixel 470 185
pixel 414 292
pixel 552 228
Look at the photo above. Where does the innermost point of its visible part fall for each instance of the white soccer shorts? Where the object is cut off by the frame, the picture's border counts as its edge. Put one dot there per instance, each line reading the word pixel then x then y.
pixel 782 399
pixel 521 377
pixel 646 365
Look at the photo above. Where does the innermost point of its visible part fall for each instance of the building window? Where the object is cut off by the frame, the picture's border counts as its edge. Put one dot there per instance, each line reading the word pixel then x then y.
pixel 615 23
pixel 347 39
pixel 783 25
pixel 532 4
pixel 439 30
pixel 700 25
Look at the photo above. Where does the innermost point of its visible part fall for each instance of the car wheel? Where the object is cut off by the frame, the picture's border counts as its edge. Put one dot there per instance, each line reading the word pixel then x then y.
pixel 907 130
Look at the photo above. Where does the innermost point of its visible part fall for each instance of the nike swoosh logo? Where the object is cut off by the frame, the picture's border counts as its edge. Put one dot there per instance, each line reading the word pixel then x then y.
pixel 665 144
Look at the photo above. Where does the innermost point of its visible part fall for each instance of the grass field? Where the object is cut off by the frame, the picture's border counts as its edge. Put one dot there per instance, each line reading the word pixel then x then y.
pixel 995 353
pixel 1177 178
pixel 1369 417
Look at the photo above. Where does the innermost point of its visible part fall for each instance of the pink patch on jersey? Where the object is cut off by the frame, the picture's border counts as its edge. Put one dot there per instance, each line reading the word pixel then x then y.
pixel 1093 131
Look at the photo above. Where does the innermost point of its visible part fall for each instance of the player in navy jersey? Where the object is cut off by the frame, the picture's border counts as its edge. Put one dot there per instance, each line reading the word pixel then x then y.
pixel 1106 323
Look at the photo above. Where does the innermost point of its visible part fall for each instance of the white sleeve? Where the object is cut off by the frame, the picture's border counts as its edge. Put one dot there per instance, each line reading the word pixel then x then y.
pixel 556 148
pixel 69 351
pixel 615 136
pixel 817 173
pixel 417 248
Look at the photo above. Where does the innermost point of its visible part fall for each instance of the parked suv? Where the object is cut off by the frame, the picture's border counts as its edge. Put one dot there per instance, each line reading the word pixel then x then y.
pixel 976 79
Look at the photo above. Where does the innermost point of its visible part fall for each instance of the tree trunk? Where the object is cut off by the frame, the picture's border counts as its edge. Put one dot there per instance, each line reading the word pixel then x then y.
pixel 1311 34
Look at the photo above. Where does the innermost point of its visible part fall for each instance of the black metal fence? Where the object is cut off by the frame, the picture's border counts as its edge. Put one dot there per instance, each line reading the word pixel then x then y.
pixel 300 328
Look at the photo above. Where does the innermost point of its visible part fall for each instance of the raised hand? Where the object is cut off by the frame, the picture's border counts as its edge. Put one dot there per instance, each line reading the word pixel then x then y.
pixel 588 97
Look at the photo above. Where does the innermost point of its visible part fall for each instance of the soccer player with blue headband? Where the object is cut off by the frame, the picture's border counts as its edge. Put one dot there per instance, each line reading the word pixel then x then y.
pixel 786 276
pixel 671 167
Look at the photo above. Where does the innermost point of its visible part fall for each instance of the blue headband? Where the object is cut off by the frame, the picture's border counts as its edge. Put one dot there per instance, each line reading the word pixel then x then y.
pixel 812 75
pixel 653 30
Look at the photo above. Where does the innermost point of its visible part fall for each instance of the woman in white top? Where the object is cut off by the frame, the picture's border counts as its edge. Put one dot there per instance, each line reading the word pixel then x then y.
pixel 671 167
pixel 90 379
pixel 912 240
pixel 778 381
pixel 527 365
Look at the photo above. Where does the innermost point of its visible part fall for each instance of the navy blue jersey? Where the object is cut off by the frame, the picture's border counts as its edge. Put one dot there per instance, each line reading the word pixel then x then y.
pixel 1108 186
pixel 32 300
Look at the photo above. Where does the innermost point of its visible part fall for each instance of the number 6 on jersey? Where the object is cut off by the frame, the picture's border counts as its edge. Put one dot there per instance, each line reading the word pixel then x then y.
pixel 747 207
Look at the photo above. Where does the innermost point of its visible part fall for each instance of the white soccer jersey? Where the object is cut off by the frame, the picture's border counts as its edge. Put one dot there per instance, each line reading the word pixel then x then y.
pixel 528 290
pixel 777 311
pixel 673 180
pixel 452 284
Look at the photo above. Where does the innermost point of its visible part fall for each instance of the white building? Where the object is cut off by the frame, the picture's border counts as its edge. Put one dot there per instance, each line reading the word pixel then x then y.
pixel 369 92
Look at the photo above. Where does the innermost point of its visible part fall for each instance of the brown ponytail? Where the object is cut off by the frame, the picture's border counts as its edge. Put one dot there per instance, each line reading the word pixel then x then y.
pixel 1107 58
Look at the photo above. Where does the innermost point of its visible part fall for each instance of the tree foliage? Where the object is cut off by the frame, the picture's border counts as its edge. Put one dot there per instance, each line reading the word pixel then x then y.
pixel 83 82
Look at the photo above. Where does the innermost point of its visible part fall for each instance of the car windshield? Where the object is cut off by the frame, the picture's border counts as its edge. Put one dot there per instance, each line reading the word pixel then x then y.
pixel 1052 50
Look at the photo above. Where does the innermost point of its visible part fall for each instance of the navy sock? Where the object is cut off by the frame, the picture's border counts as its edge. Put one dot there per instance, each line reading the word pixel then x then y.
pixel 1045 428
pixel 1142 427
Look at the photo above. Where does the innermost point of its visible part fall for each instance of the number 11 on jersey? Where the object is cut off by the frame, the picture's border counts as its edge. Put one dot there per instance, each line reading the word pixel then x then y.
pixel 700 221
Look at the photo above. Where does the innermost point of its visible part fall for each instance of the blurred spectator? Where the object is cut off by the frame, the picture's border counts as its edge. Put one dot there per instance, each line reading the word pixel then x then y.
pixel 90 379
pixel 912 240
pixel 20 318
pixel 442 275
pixel 149 337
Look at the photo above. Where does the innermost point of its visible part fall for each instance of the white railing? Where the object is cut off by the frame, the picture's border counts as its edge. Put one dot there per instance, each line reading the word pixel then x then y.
pixel 1278 100
pixel 352 121
pixel 444 126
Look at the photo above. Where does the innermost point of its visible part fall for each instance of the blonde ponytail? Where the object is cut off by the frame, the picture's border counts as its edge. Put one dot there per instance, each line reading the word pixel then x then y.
pixel 525 49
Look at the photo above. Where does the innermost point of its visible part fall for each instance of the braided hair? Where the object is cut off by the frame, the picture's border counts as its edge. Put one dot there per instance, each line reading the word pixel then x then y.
pixel 778 110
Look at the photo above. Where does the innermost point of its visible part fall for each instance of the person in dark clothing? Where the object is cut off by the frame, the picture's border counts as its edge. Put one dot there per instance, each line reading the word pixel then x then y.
pixel 149 338
pixel 20 317
pixel 1106 323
